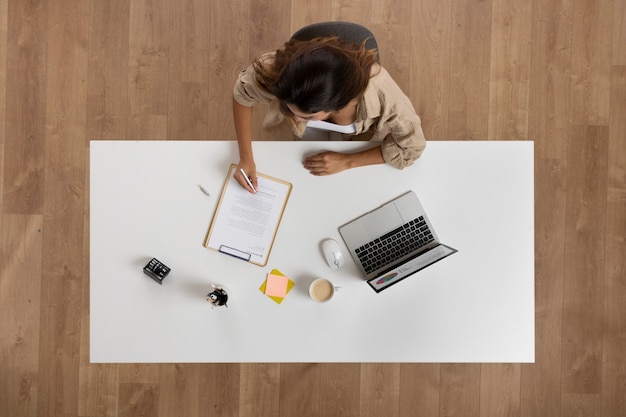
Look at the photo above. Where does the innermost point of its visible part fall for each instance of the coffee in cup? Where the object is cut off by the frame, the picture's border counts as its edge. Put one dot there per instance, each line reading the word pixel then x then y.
pixel 321 290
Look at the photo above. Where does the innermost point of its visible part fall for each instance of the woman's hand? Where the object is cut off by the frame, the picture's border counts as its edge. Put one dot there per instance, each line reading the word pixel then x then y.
pixel 249 168
pixel 327 163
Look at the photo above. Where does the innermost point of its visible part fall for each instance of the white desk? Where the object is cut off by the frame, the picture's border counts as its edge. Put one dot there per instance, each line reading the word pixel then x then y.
pixel 475 306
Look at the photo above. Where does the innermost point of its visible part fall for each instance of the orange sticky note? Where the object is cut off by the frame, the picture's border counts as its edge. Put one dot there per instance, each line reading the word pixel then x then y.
pixel 276 285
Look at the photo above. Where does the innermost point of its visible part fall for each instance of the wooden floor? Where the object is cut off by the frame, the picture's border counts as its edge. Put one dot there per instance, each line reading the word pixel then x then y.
pixel 552 71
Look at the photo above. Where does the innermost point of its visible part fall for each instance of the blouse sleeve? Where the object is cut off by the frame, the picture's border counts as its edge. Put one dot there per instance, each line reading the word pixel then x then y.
pixel 247 90
pixel 405 142
pixel 395 117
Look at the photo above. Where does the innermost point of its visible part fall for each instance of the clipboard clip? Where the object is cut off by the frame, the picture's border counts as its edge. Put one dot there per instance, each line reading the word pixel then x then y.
pixel 235 253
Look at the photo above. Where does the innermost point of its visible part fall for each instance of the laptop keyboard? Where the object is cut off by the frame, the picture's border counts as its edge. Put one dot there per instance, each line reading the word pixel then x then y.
pixel 394 245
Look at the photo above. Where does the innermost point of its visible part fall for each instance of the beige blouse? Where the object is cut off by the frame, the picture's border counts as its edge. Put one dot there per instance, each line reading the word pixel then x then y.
pixel 384 111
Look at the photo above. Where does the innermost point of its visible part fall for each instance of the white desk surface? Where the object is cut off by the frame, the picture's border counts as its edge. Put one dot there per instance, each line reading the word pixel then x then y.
pixel 474 306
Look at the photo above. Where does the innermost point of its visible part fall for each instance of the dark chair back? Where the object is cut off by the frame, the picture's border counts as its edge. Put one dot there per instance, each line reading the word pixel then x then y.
pixel 346 31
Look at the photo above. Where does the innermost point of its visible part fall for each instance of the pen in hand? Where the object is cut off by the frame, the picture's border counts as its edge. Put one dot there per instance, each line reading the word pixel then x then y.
pixel 247 180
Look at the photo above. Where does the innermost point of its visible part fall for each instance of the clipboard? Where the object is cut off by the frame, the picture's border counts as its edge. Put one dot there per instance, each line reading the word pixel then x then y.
pixel 245 225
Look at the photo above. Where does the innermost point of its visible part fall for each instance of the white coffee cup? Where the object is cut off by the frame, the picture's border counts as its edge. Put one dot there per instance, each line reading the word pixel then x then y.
pixel 322 290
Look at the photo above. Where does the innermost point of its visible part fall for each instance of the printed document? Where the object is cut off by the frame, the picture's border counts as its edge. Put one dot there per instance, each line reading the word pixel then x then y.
pixel 245 224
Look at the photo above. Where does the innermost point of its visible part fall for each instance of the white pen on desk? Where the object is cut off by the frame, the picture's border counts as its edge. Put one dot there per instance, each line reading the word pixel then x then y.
pixel 247 180
pixel 204 190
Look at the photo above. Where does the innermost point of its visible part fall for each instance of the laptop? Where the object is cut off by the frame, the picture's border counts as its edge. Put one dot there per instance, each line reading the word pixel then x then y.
pixel 393 241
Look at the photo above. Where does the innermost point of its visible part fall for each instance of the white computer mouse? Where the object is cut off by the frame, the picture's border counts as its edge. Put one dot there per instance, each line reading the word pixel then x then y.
pixel 332 253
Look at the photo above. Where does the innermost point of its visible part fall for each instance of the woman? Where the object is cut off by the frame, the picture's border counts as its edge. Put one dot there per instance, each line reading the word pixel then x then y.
pixel 326 79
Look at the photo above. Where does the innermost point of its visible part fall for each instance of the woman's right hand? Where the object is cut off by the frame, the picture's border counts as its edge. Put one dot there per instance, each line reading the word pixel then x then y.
pixel 249 168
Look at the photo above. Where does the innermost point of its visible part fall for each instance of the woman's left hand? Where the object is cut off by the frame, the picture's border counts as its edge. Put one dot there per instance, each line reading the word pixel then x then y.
pixel 327 163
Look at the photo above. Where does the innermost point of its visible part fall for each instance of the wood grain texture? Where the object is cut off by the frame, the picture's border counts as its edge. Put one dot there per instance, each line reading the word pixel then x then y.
pixel 219 390
pixel 149 56
pixel 500 390
pixel 20 304
pixel 26 115
pixel 179 390
pixel 300 386
pixel 591 61
pixel 459 393
pixel 470 50
pixel 541 381
pixel 419 389
pixel 380 390
pixel 61 292
pixel 358 11
pixel 138 400
pixel 3 80
pixel 614 333
pixel 551 56
pixel 259 392
pixel 340 389
pixel 509 72
pixel 430 66
pixel 305 12
pixel 107 89
pixel 226 63
pixel 619 32
pixel 552 71
pixel 583 298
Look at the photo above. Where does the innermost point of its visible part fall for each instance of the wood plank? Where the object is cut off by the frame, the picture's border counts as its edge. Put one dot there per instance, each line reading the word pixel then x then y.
pixel 259 392
pixel 187 117
pixel 588 405
pixel 188 89
pixel 419 389
pixel 430 66
pixel 500 390
pixel 98 384
pixel 549 77
pixel 460 390
pixel 468 82
pixel 99 390
pixel 26 116
pixel 138 400
pixel 20 283
pixel 61 292
pixel 541 381
pixel 357 11
pixel 219 393
pixel 380 389
pixel 300 389
pixel 4 4
pixel 591 62
pixel 618 55
pixel 146 127
pixel 149 53
pixel 510 69
pixel 66 144
pixel 226 63
pixel 305 12
pixel 188 41
pixel 585 233
pixel 396 57
pixel 270 26
pixel 614 332
pixel 179 390
pixel 107 103
pixel 139 373
pixel 340 385
pixel 66 93
pixel 391 12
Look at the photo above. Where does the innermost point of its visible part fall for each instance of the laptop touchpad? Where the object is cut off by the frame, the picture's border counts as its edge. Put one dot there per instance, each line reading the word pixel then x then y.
pixel 382 220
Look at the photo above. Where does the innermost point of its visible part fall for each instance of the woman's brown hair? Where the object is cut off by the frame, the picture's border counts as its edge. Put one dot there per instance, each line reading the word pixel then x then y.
pixel 322 74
